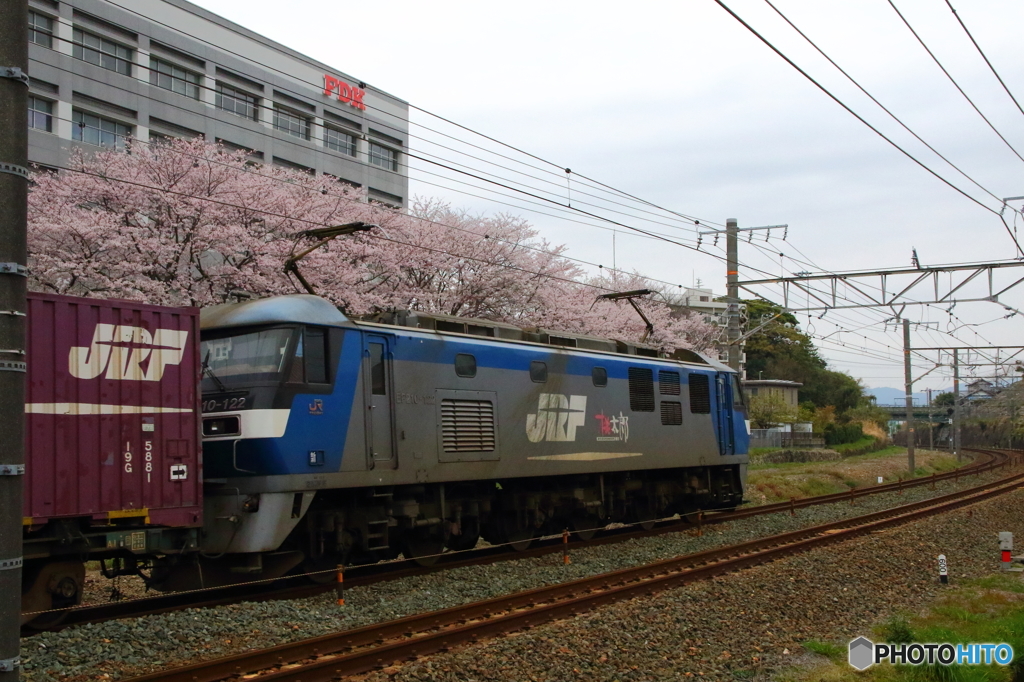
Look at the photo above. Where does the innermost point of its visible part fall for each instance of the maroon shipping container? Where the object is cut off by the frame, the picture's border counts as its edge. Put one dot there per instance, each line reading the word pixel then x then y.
pixel 111 406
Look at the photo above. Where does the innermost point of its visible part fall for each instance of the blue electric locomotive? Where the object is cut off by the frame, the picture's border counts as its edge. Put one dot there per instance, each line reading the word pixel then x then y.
pixel 328 440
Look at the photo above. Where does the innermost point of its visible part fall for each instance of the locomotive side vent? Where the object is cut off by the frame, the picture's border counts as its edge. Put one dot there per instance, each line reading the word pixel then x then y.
pixel 641 389
pixel 700 394
pixel 671 413
pixel 668 383
pixel 467 425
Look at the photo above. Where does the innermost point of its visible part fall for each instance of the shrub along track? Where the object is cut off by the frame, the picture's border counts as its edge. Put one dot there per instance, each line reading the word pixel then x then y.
pixel 368 648
pixel 984 461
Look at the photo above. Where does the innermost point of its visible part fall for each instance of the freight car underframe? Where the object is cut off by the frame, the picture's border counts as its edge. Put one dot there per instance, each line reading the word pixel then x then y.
pixel 364 525
pixel 56 552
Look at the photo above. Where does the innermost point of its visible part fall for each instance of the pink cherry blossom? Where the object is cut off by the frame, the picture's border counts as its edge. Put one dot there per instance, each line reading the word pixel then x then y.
pixel 191 223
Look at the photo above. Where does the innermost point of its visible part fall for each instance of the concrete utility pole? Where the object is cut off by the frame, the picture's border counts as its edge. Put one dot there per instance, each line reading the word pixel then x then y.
pixel 13 256
pixel 732 267
pixel 909 382
pixel 956 405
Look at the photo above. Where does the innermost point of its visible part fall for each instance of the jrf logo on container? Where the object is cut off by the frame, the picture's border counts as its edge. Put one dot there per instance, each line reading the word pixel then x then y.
pixel 864 653
pixel 124 353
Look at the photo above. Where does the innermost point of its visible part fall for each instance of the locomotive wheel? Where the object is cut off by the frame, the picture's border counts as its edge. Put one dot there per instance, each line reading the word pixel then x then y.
pixel 586 526
pixel 424 546
pixel 468 537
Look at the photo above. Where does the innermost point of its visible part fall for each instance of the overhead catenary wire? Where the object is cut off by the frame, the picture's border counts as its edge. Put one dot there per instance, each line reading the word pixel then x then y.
pixel 706 222
pixel 314 223
pixel 866 123
pixel 292 77
pixel 882 106
pixel 953 80
pixel 983 55
pixel 421 156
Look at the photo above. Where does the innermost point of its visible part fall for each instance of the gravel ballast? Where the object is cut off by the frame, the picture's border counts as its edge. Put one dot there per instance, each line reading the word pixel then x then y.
pixel 741 622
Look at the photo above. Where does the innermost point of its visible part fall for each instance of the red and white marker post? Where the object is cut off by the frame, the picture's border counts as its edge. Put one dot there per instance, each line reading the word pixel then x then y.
pixel 1006 549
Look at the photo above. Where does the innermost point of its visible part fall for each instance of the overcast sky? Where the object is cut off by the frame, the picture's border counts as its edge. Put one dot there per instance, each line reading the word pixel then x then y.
pixel 678 104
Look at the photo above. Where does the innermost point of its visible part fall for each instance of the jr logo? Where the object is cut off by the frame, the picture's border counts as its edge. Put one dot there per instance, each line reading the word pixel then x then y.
pixel 127 353
pixel 557 418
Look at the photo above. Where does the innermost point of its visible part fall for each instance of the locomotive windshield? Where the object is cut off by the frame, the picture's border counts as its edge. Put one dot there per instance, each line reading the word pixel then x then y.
pixel 244 359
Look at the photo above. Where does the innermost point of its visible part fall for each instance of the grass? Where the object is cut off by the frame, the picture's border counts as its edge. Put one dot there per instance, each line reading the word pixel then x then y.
pixel 990 609
pixel 779 482
pixel 866 444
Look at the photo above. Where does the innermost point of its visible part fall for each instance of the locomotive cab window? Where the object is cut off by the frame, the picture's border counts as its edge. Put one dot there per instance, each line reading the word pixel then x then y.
pixel 465 365
pixel 246 358
pixel 310 360
pixel 538 371
pixel 599 375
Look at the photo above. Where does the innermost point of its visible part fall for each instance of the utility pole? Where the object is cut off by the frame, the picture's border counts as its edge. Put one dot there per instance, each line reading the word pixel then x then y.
pixel 931 427
pixel 909 382
pixel 733 292
pixel 956 404
pixel 13 272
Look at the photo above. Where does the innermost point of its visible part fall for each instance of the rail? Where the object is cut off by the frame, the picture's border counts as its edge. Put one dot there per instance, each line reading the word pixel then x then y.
pixel 364 649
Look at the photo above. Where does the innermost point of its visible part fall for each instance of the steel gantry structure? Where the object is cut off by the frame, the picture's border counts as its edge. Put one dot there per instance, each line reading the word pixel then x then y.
pixel 942 293
pixel 856 283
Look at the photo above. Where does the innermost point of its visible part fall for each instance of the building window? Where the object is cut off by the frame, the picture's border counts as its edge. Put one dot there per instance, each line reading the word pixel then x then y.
pixel 101 132
pixel 40 29
pixel 176 79
pixel 237 102
pixel 291 123
pixel 339 141
pixel 102 52
pixel 383 157
pixel 40 114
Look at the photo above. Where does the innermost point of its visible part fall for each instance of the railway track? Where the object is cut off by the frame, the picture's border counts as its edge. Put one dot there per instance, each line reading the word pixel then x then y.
pixel 985 460
pixel 361 650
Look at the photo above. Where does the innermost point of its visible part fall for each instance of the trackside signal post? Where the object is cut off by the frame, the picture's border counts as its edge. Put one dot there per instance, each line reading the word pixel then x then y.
pixel 13 255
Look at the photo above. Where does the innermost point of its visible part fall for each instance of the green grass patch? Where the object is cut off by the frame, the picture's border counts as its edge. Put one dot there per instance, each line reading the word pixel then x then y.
pixel 827 649
pixel 990 609
pixel 865 442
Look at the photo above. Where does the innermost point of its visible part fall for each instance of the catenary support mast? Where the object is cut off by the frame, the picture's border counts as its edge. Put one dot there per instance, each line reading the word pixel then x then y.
pixel 909 387
pixel 733 292
pixel 955 440
pixel 13 211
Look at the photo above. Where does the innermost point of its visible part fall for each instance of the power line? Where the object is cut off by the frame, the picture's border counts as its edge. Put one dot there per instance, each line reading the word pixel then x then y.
pixel 882 106
pixel 865 122
pixel 408 153
pixel 982 53
pixel 321 224
pixel 953 80
pixel 429 113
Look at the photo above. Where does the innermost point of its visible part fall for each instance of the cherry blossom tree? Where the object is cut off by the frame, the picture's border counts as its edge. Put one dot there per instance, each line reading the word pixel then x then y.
pixel 191 223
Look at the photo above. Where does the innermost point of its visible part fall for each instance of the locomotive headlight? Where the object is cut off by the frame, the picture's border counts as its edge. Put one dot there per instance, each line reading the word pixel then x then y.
pixel 221 426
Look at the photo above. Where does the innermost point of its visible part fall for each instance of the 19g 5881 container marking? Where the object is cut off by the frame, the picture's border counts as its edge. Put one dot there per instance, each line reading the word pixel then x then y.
pixel 148 456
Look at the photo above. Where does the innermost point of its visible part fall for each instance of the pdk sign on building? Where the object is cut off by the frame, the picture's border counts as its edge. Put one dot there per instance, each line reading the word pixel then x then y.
pixel 349 94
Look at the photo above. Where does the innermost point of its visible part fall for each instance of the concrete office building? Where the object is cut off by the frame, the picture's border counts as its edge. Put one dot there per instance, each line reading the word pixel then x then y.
pixel 102 71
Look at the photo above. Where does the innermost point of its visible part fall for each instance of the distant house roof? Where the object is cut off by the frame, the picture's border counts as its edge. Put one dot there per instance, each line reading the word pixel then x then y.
pixel 779 383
